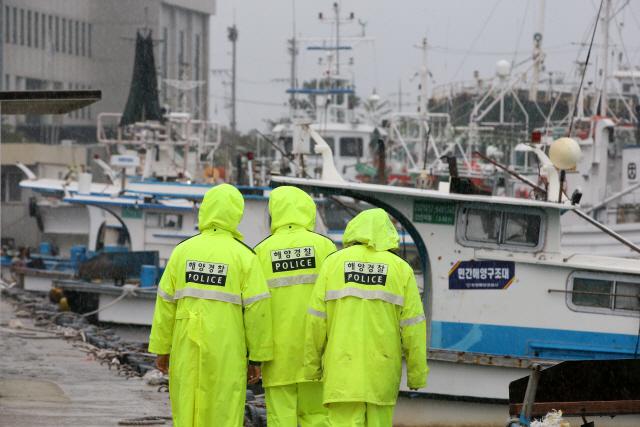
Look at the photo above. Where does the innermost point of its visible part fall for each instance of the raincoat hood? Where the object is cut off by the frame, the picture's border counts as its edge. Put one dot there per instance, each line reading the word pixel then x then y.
pixel 291 206
pixel 372 228
pixel 222 207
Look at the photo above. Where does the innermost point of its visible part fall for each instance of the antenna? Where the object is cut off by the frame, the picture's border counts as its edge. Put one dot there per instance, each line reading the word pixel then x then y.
pixel 233 37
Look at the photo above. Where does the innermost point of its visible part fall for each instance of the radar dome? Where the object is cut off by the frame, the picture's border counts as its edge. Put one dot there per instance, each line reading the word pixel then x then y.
pixel 564 153
pixel 503 68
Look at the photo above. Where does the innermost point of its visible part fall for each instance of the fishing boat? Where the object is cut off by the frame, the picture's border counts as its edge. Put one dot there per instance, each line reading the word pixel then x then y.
pixel 498 290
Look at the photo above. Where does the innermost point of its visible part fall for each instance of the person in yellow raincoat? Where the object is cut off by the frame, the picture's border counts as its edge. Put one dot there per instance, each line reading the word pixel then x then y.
pixel 364 311
pixel 291 259
pixel 212 314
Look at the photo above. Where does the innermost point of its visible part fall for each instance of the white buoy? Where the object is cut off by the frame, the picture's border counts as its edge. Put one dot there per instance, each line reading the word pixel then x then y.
pixel 564 153
pixel 503 68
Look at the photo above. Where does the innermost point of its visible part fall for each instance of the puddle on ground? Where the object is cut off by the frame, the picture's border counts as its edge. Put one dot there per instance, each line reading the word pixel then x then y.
pixel 31 393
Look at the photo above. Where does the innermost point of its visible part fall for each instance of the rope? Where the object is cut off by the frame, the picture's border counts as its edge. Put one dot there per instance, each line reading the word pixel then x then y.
pixel 125 293
pixel 584 71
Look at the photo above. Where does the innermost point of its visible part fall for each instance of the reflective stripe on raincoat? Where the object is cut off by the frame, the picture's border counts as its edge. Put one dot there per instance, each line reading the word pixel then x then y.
pixel 365 309
pixel 212 311
pixel 291 259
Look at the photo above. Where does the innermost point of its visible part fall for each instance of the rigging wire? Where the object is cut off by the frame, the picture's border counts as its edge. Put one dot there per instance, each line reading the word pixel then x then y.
pixel 584 71
pixel 515 53
pixel 633 79
pixel 476 40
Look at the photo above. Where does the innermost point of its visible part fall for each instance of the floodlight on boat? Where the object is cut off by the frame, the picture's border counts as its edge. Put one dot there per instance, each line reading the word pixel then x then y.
pixel 564 153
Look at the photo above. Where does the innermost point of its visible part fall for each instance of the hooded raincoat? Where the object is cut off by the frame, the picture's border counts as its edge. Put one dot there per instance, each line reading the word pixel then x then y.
pixel 212 313
pixel 364 311
pixel 291 259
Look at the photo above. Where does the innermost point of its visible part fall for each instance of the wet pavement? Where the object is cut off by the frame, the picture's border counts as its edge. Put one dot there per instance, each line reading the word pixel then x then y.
pixel 48 382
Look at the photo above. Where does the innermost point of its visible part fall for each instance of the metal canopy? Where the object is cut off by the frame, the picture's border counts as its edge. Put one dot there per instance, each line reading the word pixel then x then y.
pixel 47 101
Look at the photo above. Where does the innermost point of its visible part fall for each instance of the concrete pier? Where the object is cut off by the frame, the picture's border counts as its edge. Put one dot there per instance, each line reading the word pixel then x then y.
pixel 48 382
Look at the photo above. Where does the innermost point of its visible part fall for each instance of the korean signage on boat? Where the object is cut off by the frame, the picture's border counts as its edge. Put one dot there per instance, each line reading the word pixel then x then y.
pixel 482 275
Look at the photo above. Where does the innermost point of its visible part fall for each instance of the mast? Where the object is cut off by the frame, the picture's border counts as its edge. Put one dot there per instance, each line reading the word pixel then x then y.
pixel 604 99
pixel 538 54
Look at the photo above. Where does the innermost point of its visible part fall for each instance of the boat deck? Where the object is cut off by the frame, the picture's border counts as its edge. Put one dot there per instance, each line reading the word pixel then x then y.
pixel 48 382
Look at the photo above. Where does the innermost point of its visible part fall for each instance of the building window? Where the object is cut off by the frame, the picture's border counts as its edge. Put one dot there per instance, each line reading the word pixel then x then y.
pixel 84 32
pixel 89 40
pixel 21 27
pixel 43 32
pixel 57 34
pixel 509 228
pixel 15 25
pixel 605 293
pixel 35 29
pixel 88 108
pixel 29 28
pixel 7 24
pixel 77 113
pixel 181 55
pixel 70 88
pixel 7 82
pixel 11 191
pixel 70 36
pixel 82 110
pixel 50 35
pixel 64 35
pixel 77 38
pixel 351 147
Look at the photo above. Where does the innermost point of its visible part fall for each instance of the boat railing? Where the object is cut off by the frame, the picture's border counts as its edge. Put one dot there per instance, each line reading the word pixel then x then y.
pixel 191 132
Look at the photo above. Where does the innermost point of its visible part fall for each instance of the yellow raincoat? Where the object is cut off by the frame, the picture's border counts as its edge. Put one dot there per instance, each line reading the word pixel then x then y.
pixel 291 259
pixel 364 311
pixel 212 312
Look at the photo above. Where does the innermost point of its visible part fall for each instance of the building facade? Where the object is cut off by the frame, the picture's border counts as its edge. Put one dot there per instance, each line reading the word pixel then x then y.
pixel 90 44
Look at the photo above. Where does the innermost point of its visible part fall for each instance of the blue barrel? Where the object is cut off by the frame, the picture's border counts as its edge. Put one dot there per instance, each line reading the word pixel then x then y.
pixel 148 276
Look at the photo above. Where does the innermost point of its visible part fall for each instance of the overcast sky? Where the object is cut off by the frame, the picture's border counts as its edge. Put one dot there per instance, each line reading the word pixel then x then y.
pixel 463 35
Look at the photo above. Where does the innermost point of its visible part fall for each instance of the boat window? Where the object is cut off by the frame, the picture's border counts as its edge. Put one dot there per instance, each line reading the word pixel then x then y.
pixel 522 229
pixel 632 302
pixel 153 220
pixel 331 143
pixel 351 147
pixel 604 293
pixel 504 228
pixel 172 221
pixel 597 292
pixel 159 220
pixel 483 225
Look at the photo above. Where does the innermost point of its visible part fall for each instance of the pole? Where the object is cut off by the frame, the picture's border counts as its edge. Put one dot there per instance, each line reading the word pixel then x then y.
pixel 604 99
pixel 233 36
pixel 336 7
pixel 423 80
pixel 294 52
